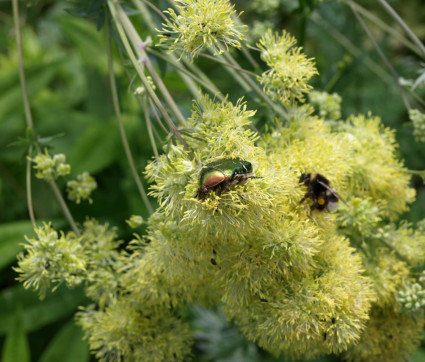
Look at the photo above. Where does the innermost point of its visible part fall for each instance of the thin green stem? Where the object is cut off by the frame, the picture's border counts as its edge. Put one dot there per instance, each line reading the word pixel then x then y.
pixel 30 124
pixel 389 29
pixel 211 88
pixel 342 65
pixel 420 173
pixel 352 49
pixel 149 127
pixel 140 5
pixel 28 114
pixel 154 8
pixel 117 110
pixel 406 28
pixel 64 207
pixel 139 46
pixel 396 252
pixel 250 58
pixel 383 57
pixel 228 64
pixel 29 191
pixel 257 89
pixel 158 119
pixel 112 4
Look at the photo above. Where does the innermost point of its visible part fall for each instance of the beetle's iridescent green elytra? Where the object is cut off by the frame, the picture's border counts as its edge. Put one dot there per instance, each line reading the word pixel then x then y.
pixel 223 174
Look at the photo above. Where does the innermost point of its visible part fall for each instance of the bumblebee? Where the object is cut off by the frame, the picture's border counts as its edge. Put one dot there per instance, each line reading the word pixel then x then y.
pixel 320 191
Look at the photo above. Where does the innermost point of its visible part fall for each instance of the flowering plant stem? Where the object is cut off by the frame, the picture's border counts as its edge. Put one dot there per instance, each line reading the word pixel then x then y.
pixel 409 32
pixel 30 125
pixel 117 110
pixel 139 45
pixel 114 8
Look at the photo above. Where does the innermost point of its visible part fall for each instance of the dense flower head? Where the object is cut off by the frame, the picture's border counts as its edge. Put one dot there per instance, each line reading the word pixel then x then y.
pixel 50 168
pixel 290 69
pixel 237 226
pixel 126 330
pixel 51 258
pixel 359 218
pixel 81 188
pixel 390 336
pixel 380 178
pixel 264 256
pixel 201 24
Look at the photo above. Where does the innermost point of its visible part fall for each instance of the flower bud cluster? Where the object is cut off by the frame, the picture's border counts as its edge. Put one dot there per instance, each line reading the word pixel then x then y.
pixel 328 105
pixel 49 168
pixel 412 297
pixel 135 221
pixel 418 120
pixel 81 188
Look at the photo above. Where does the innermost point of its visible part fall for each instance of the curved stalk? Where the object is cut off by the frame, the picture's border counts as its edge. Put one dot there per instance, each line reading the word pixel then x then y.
pixel 117 110
pixel 409 32
pixel 139 46
pixel 257 89
pixel 30 124
pixel 143 78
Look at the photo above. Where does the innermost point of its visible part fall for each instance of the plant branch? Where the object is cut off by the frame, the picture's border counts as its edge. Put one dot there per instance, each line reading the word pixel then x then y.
pixel 409 32
pixel 30 125
pixel 117 110
pixel 137 66
pixel 139 46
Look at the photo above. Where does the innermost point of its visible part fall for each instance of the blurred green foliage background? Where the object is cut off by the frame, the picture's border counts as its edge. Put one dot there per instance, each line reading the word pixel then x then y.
pixel 67 75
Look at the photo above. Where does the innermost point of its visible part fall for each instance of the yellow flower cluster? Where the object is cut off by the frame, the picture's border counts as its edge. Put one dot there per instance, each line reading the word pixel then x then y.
pixel 290 69
pixel 201 24
pixel 291 283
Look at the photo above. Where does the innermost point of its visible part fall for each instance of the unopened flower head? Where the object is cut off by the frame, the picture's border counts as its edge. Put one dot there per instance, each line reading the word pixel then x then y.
pixel 418 120
pixel 81 188
pixel 135 221
pixel 49 168
pixel 201 24
pixel 412 297
pixel 290 69
pixel 140 91
pixel 328 105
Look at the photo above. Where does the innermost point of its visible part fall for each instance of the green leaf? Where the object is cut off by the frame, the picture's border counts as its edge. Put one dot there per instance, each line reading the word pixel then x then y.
pixel 69 339
pixel 38 77
pixel 11 239
pixel 96 148
pixel 16 344
pixel 37 313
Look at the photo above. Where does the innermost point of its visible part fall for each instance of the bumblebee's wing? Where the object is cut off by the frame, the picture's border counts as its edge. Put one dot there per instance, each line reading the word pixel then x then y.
pixel 336 194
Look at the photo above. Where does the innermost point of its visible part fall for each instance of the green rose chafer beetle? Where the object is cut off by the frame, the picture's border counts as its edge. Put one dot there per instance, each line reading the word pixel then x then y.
pixel 222 175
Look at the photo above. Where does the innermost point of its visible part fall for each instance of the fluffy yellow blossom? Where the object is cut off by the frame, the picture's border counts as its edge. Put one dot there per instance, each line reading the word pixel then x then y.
pixel 201 24
pixel 290 69
pixel 390 336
